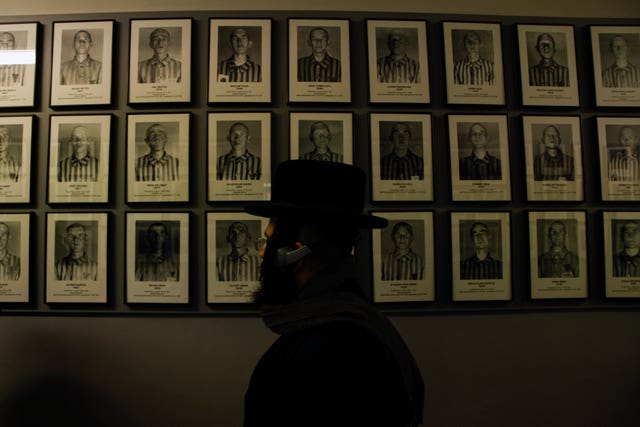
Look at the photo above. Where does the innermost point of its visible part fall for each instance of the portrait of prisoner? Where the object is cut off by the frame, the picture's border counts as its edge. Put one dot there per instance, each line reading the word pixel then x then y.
pixel 397 55
pixel 321 140
pixel 401 156
pixel 319 54
pixel 9 261
pixel 10 153
pixel 479 151
pixel 75 250
pixel 11 75
pixel 78 152
pixel 237 257
pixel 620 59
pixel 626 248
pixel 157 257
pixel 480 250
pixel 79 65
pixel 164 47
pixel 549 66
pixel 473 57
pixel 237 140
pixel 157 164
pixel 240 53
pixel 557 244
pixel 553 154
pixel 623 146
pixel 403 254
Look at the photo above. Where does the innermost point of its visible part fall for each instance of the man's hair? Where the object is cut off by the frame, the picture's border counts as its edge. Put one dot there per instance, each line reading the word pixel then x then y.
pixel 238 29
pixel 2 224
pixel 547 35
pixel 13 38
pixel 153 126
pixel 157 31
pixel 469 34
pixel 400 224
pixel 624 226
pixel 238 124
pixel 238 223
pixel 7 129
pixel 478 224
pixel 617 36
pixel 394 127
pixel 75 225
pixel 83 31
pixel 478 124
pixel 157 224
pixel 398 32
pixel 326 33
pixel 622 129
pixel 318 125
pixel 552 127
pixel 564 228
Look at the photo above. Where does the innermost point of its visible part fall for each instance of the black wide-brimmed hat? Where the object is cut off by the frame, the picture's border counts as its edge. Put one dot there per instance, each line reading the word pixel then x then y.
pixel 319 190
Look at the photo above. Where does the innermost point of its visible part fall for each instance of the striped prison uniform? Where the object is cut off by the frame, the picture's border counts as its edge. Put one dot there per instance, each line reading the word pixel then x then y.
pixel 73 169
pixel 12 75
pixel 394 167
pixel 87 72
pixel 624 168
pixel 614 76
pixel 479 72
pixel 558 264
pixel 403 70
pixel 154 70
pixel 409 266
pixel 472 167
pixel 246 167
pixel 625 265
pixel 238 268
pixel 327 70
pixel 69 268
pixel 553 168
pixel 553 74
pixel 474 268
pixel 156 268
pixel 9 169
pixel 148 168
pixel 9 267
pixel 249 71
pixel 329 156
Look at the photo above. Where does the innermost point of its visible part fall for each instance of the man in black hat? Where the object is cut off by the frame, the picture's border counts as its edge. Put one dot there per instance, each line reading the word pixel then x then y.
pixel 338 361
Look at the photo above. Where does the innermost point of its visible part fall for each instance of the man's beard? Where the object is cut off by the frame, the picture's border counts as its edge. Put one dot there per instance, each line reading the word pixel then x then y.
pixel 277 287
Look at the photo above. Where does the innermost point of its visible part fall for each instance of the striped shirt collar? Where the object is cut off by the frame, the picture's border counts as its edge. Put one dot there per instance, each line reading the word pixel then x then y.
pixel 242 158
pixel 328 156
pixel 80 162
pixel 558 158
pixel 151 159
pixel 553 65
pixel 88 60
pixel 69 260
pixel 244 67
pixel 7 259
pixel 627 68
pixel 235 256
pixel 486 159
pixel 476 64
pixel 163 62
pixel 623 156
pixel 635 259
pixel 562 253
pixel 326 61
pixel 402 61
pixel 488 260
pixel 409 256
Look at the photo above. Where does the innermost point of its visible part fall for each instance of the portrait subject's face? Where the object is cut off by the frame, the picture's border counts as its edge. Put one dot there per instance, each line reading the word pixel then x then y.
pixel 82 42
pixel 546 47
pixel 7 41
pixel 478 136
pixel 76 238
pixel 631 236
pixel 619 47
pixel 628 137
pixel 238 138
pixel 480 236
pixel 156 138
pixel 402 238
pixel 318 41
pixel 80 141
pixel 472 44
pixel 4 236
pixel 397 43
pixel 240 42
pixel 4 140
pixel 157 237
pixel 400 137
pixel 159 42
pixel 551 138
pixel 557 234
pixel 238 236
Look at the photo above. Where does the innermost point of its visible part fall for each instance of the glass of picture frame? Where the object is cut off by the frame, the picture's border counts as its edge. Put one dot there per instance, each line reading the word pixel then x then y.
pixel 18 61
pixel 16 140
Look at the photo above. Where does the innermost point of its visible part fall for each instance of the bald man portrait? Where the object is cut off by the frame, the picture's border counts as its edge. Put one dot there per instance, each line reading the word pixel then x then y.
pixel 161 67
pixel 81 165
pixel 82 69
pixel 11 75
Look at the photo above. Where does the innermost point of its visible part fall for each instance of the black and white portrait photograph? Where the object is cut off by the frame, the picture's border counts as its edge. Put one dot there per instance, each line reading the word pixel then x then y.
pixel 553 153
pixel 234 242
pixel 82 63
pixel 15 159
pixel 558 246
pixel 622 254
pixel 76 257
pixel 403 258
pixel 18 60
pixel 616 65
pixel 319 60
pixel 160 60
pixel 326 137
pixel 239 60
pixel 473 63
pixel 158 157
pixel 157 257
pixel 481 256
pixel 401 165
pixel 619 147
pixel 239 156
pixel 14 256
pixel 479 157
pixel 79 159
pixel 548 65
pixel 398 61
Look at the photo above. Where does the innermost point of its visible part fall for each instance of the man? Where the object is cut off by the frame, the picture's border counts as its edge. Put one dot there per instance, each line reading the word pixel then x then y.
pixel 401 164
pixel 553 164
pixel 9 263
pixel 473 70
pixel 156 264
pixel 625 165
pixel 402 263
pixel 9 168
pixel 320 136
pixel 547 72
pixel 240 265
pixel 11 75
pixel 558 261
pixel 337 361
pixel 76 265
pixel 319 66
pixel 157 164
pixel 82 69
pixel 479 164
pixel 160 68
pixel 627 262
pixel 397 67
pixel 621 74
pixel 239 67
pixel 239 163
pixel 80 166
pixel 481 265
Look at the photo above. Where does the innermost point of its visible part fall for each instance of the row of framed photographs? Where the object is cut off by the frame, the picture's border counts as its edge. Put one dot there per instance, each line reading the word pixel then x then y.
pixel 239 156
pixel 318 62
pixel 403 262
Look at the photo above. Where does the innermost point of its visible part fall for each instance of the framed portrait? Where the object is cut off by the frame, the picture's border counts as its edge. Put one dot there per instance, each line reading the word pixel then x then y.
pixel 398 61
pixel 558 261
pixel 18 60
pixel 79 149
pixel 321 136
pixel 160 60
pixel 319 60
pixel 14 253
pixel 77 257
pixel 473 63
pixel 616 65
pixel 239 60
pixel 401 165
pixel 157 257
pixel 553 153
pixel 82 63
pixel 16 137
pixel 234 242
pixel 621 254
pixel 158 157
pixel 403 258
pixel 239 156
pixel 481 256
pixel 548 70
pixel 479 147
pixel 619 147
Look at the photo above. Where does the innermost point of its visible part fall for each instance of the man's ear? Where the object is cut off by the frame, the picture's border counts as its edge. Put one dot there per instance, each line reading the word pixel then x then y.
pixel 249 44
